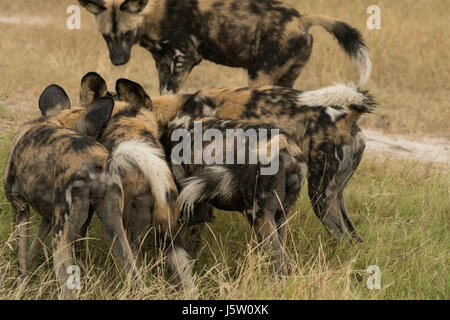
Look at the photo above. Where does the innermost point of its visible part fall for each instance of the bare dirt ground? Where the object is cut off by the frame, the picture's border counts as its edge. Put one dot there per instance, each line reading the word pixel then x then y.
pixel 434 150
pixel 28 21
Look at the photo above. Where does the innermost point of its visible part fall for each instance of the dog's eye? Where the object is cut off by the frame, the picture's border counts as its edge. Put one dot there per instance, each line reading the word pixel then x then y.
pixel 128 36
pixel 106 37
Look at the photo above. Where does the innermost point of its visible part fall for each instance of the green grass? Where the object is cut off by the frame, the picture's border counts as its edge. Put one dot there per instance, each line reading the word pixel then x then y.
pixel 401 208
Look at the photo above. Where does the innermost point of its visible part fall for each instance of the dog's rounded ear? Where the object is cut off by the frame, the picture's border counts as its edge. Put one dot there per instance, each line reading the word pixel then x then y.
pixel 93 87
pixel 133 93
pixel 133 6
pixel 93 6
pixel 97 117
pixel 52 100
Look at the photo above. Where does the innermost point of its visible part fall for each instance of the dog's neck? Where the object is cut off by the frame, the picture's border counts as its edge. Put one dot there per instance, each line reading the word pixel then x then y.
pixel 166 107
pixel 152 26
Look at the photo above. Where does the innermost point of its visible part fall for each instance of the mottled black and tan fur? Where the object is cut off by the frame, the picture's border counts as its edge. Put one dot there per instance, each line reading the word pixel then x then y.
pixel 62 174
pixel 268 38
pixel 150 194
pixel 242 186
pixel 322 122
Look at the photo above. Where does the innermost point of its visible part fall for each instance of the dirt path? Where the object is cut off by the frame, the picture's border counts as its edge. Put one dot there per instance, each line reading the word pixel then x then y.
pixel 398 146
pixel 29 21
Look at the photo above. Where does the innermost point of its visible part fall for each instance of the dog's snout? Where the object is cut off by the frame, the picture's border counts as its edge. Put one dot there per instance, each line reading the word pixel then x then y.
pixel 119 58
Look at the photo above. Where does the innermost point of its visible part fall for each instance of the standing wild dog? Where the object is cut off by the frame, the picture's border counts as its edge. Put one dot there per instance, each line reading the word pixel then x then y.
pixel 132 137
pixel 322 122
pixel 267 37
pixel 60 173
pixel 259 176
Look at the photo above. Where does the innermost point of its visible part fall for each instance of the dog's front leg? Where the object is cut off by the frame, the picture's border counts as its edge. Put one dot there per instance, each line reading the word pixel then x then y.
pixel 185 58
pixel 164 62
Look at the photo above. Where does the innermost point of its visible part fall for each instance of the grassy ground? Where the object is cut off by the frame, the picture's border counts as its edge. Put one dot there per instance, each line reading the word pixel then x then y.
pixel 401 208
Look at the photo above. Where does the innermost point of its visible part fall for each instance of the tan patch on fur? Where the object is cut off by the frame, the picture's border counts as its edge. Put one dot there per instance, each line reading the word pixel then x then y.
pixel 125 21
pixel 231 106
pixel 70 117
pixel 131 127
pixel 154 14
pixel 166 107
pixel 205 5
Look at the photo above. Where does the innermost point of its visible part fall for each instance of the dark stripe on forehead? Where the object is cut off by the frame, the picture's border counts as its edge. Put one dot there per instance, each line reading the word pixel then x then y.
pixel 114 19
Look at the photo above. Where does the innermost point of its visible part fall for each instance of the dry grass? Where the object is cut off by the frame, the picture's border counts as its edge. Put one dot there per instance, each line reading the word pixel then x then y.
pixel 401 207
pixel 410 55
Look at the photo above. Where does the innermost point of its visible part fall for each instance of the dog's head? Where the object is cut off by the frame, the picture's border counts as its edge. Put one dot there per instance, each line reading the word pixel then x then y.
pixel 119 22
pixel 331 166
pixel 336 145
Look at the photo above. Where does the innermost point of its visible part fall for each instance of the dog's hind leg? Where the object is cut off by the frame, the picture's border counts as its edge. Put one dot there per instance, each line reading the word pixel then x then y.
pixel 139 225
pixel 86 224
pixel 265 228
pixel 70 215
pixel 193 238
pixel 281 222
pixel 179 263
pixel 79 245
pixel 293 187
pixel 109 206
pixel 44 228
pixel 21 222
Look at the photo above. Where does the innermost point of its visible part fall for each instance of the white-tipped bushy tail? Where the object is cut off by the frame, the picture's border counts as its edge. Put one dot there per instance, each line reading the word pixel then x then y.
pixel 338 95
pixel 348 97
pixel 150 161
pixel 362 60
pixel 215 181
pixel 350 39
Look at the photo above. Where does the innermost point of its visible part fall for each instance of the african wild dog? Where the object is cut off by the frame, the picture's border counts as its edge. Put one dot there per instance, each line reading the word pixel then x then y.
pixel 232 182
pixel 60 173
pixel 322 122
pixel 132 137
pixel 267 37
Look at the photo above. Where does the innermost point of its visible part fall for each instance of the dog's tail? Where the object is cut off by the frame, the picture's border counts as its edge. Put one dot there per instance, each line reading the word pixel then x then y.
pixel 214 181
pixel 366 105
pixel 150 161
pixel 349 38
pixel 355 101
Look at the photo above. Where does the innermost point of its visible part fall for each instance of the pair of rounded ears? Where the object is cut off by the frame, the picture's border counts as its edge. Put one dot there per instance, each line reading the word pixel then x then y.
pixel 96 99
pixel 98 6
pixel 54 99
pixel 93 87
